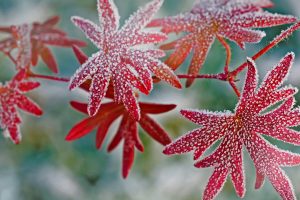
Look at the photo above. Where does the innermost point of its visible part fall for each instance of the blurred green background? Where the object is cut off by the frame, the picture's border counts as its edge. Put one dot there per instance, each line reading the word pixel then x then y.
pixel 46 167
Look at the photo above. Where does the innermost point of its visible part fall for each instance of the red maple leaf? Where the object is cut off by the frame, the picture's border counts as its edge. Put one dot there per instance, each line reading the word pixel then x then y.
pixel 245 127
pixel 109 112
pixel 32 40
pixel 128 131
pixel 210 19
pixel 119 59
pixel 12 97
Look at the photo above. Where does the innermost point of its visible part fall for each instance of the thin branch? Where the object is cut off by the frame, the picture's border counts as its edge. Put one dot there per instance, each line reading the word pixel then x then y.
pixel 11 57
pixel 228 53
pixel 234 87
pixel 53 78
pixel 283 35
pixel 221 76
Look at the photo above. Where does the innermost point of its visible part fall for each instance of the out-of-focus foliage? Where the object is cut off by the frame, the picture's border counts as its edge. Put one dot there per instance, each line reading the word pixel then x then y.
pixel 46 167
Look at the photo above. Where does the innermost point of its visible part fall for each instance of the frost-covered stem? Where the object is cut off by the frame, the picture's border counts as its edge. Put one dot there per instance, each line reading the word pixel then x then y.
pixel 235 88
pixel 226 67
pixel 228 53
pixel 11 57
pixel 221 76
pixel 53 78
pixel 283 35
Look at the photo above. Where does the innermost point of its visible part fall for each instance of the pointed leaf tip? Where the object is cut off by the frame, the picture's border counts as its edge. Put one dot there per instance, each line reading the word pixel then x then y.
pixel 167 151
pixel 80 55
pixel 128 159
pixel 52 21
pixel 178 84
pixel 39 112
pixel 81 129
pixel 92 110
pixel 153 108
pixel 290 56
pixel 82 107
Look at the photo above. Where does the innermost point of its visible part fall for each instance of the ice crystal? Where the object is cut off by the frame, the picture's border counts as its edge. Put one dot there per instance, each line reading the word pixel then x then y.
pixel 118 59
pixel 11 98
pixel 245 127
pixel 128 131
pixel 32 40
pixel 21 34
pixel 208 19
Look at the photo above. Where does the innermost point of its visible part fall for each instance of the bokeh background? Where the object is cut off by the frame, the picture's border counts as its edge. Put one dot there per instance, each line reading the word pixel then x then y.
pixel 46 167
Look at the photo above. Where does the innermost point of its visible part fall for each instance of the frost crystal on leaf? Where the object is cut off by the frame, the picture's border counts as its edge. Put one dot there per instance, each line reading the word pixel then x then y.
pixel 11 98
pixel 21 35
pixel 119 60
pixel 208 19
pixel 32 40
pixel 245 127
pixel 128 131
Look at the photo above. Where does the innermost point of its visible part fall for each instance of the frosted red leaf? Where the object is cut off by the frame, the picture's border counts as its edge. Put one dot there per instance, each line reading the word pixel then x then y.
pixel 208 19
pixel 82 58
pixel 12 97
pixel 33 39
pixel 127 131
pixel 245 127
pixel 119 60
pixel 21 35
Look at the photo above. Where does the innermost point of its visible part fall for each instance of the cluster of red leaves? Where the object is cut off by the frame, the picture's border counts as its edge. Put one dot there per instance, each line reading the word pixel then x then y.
pixel 119 60
pixel 128 131
pixel 31 40
pixel 245 127
pixel 12 97
pixel 122 68
pixel 210 19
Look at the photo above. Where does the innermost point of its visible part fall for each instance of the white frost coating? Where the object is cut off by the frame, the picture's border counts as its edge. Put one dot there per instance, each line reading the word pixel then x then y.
pixel 92 31
pixel 244 128
pixel 142 17
pixel 283 70
pixel 231 19
pixel 24 45
pixel 11 99
pixel 127 68
pixel 87 70
pixel 108 15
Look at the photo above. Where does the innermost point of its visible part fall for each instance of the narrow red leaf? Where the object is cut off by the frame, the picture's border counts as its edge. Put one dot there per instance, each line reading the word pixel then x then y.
pixel 115 141
pixel 80 55
pixel 49 59
pixel 27 86
pixel 152 108
pixel 103 128
pixel 27 105
pixel 82 128
pixel 128 157
pixel 81 107
pixel 154 130
pixel 52 21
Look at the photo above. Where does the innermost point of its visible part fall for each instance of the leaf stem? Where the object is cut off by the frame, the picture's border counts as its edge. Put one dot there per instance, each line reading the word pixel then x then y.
pixel 230 76
pixel 235 88
pixel 283 35
pixel 221 76
pixel 8 54
pixel 228 53
pixel 53 78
